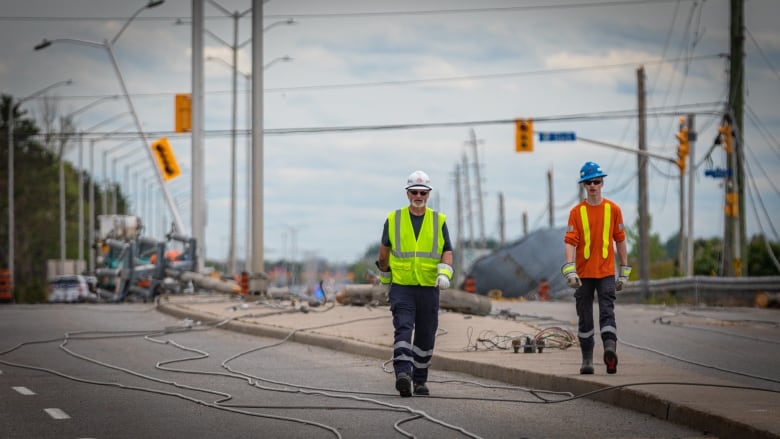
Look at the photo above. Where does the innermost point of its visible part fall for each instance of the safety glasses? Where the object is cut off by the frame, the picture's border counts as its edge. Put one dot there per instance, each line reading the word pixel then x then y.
pixel 423 193
pixel 592 182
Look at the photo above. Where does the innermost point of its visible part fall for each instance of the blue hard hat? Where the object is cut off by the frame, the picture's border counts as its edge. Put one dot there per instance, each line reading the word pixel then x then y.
pixel 590 170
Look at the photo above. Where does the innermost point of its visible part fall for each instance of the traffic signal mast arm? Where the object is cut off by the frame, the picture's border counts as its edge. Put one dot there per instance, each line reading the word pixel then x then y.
pixel 623 148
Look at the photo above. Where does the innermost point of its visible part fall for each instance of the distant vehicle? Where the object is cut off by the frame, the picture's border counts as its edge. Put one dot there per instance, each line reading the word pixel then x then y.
pixel 71 288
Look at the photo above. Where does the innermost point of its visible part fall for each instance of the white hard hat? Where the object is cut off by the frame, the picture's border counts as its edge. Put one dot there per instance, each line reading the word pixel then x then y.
pixel 418 180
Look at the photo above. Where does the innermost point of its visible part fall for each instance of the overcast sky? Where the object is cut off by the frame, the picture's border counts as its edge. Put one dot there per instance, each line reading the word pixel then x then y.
pixel 451 66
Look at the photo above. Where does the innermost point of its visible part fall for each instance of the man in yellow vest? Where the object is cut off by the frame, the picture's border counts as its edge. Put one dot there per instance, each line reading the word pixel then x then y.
pixel 595 231
pixel 415 262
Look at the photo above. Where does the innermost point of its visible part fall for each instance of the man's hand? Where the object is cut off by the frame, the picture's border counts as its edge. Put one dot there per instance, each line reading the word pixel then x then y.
pixel 570 273
pixel 445 274
pixel 625 271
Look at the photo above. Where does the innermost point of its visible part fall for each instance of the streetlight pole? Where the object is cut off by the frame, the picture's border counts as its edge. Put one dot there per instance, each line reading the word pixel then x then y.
pixel 67 121
pixel 10 126
pixel 107 45
pixel 257 142
pixel 234 111
pixel 234 47
pixel 248 78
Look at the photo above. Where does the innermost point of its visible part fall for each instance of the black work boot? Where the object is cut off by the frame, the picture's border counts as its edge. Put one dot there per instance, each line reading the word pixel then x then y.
pixel 420 389
pixel 587 362
pixel 610 356
pixel 403 384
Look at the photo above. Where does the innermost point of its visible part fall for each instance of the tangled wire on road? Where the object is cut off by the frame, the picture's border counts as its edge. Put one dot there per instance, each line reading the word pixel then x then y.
pixel 552 337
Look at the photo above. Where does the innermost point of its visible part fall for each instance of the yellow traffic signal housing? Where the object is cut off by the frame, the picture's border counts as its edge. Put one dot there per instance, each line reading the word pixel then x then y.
pixel 725 131
pixel 524 135
pixel 183 113
pixel 165 159
pixel 683 145
pixel 731 206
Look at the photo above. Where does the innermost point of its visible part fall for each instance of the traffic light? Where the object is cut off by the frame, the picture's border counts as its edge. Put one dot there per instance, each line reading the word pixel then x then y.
pixel 731 206
pixel 183 113
pixel 683 146
pixel 726 134
pixel 524 135
pixel 165 158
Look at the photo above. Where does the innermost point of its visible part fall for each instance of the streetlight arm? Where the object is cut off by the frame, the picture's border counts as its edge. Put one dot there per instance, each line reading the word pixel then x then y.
pixel 42 91
pixel 90 105
pixel 151 4
pixel 46 43
pixel 216 37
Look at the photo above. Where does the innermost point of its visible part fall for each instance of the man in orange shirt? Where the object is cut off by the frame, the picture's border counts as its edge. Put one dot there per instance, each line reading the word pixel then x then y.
pixel 594 224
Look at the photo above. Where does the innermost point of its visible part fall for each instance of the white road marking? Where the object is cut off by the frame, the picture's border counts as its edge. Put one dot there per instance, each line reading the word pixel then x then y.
pixel 23 390
pixel 57 413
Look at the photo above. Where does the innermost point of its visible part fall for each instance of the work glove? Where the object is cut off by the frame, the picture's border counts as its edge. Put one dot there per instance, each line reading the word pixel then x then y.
pixel 385 279
pixel 570 273
pixel 625 271
pixel 444 277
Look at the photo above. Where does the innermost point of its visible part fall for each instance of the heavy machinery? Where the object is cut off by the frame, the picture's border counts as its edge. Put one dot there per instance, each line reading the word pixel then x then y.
pixel 133 266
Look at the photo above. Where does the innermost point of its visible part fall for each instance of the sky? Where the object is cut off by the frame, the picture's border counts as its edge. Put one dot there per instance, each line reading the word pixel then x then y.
pixel 449 68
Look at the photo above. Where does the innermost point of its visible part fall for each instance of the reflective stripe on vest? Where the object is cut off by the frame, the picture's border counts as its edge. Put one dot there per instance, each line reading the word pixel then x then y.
pixel 604 232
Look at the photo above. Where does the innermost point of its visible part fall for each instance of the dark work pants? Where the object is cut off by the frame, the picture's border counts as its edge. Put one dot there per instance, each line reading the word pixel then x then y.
pixel 584 299
pixel 415 319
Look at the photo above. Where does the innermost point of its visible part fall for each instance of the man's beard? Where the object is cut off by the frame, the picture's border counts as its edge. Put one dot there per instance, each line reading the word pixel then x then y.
pixel 418 203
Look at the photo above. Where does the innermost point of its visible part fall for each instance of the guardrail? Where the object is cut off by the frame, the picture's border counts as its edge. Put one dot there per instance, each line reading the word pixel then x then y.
pixel 709 289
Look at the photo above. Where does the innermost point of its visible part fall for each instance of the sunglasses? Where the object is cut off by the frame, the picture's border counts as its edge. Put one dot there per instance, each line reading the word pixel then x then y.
pixel 423 193
pixel 592 182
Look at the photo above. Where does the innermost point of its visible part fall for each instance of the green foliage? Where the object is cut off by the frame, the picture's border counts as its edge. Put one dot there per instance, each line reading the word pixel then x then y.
pixel 708 254
pixel 760 260
pixel 36 206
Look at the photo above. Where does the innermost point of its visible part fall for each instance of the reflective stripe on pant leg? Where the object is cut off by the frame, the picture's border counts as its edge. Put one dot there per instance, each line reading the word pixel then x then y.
pixel 584 304
pixel 606 294
pixel 426 324
pixel 402 306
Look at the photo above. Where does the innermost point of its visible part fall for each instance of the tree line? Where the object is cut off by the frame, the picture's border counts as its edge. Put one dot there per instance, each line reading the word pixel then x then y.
pixel 36 195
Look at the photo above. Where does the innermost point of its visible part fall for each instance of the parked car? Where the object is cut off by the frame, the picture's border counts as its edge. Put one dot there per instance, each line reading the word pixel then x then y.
pixel 71 288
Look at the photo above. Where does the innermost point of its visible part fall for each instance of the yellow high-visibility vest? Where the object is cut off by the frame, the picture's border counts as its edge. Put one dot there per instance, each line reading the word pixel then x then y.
pixel 413 261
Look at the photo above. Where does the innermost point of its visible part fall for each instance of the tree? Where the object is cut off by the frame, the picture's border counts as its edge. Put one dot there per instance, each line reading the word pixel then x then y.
pixel 36 204
pixel 762 257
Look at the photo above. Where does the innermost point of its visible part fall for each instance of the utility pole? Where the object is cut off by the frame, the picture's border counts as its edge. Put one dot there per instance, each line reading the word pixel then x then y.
pixel 682 236
pixel 691 178
pixel 473 142
pixel 525 223
pixel 644 221
pixel 550 206
pixel 197 207
pixel 501 220
pixel 735 240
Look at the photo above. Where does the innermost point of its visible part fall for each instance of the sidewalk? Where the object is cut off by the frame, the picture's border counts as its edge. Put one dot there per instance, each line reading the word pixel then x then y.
pixel 466 344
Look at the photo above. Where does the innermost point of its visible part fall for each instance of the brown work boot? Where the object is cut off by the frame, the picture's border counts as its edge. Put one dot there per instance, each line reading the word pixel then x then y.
pixel 610 356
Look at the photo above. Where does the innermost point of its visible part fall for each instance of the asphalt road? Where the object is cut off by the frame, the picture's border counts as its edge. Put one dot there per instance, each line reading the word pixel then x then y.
pixel 125 370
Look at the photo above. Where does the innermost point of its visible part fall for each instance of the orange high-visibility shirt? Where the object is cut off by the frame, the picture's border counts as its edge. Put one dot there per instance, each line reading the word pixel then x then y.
pixel 593 231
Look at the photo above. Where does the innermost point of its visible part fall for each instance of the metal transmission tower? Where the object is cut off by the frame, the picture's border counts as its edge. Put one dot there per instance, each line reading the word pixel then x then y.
pixel 473 142
pixel 467 193
pixel 459 222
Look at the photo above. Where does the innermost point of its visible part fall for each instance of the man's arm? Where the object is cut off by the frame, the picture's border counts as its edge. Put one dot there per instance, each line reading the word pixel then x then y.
pixel 569 252
pixel 446 257
pixel 622 251
pixel 384 257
